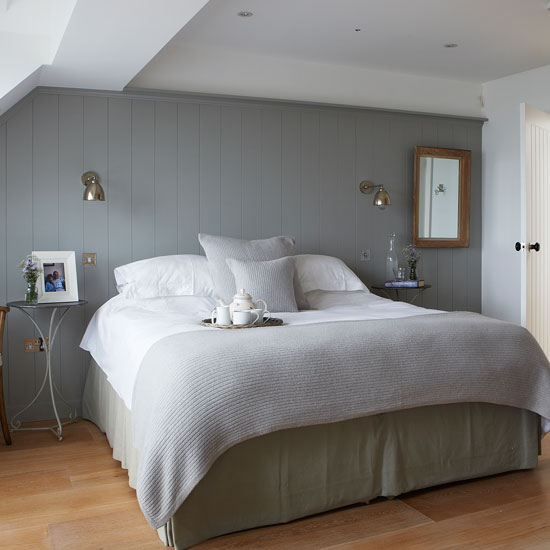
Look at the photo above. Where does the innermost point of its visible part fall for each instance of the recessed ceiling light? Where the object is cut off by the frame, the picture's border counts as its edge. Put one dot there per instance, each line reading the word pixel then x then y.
pixel 451 45
pixel 245 14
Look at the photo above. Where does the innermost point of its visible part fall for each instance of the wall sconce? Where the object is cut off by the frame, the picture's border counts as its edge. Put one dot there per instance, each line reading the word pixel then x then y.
pixel 93 191
pixel 381 198
pixel 440 189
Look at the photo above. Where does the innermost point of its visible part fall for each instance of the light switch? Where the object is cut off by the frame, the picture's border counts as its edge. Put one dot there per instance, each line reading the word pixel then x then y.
pixel 89 258
pixel 365 255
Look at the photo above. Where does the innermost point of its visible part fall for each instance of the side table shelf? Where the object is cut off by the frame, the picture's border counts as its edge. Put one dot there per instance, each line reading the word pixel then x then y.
pixel 385 289
pixel 48 341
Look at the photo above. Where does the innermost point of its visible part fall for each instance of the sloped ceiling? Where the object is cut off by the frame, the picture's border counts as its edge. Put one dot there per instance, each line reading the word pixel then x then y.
pixel 97 44
pixel 378 53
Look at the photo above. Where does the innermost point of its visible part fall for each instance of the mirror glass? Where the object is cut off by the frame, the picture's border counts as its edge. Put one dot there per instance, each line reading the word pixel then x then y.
pixel 438 198
pixel 441 211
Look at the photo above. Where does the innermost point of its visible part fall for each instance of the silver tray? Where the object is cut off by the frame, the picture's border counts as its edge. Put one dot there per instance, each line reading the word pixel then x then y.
pixel 273 322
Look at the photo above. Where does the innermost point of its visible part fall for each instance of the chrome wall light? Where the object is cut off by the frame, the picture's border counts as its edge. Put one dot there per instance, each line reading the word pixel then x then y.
pixel 381 198
pixel 93 191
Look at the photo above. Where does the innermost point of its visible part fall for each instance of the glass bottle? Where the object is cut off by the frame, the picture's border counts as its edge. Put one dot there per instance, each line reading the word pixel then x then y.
pixel 391 259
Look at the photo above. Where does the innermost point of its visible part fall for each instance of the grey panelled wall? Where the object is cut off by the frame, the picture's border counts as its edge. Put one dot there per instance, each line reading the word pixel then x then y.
pixel 175 165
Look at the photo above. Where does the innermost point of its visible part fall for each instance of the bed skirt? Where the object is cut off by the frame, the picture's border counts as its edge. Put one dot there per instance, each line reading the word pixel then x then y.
pixel 298 472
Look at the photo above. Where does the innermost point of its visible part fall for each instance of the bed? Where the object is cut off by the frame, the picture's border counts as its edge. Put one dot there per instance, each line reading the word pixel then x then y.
pixel 299 468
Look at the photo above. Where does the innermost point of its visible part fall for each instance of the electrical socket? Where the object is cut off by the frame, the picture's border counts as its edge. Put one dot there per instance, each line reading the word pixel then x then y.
pixel 32 345
pixel 365 255
pixel 89 258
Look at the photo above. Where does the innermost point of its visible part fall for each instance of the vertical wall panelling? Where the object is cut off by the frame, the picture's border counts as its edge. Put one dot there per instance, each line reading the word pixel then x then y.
pixel 330 193
pixel 174 167
pixel 45 207
pixel 96 219
pixel 210 176
pixel 3 230
pixel 251 166
pixel 143 179
pixel 290 175
pixel 474 256
pixel 19 242
pixel 166 178
pixel 120 187
pixel 188 178
pixel 71 237
pixel 348 241
pixel 407 132
pixel 271 189
pixel 231 173
pixel 309 178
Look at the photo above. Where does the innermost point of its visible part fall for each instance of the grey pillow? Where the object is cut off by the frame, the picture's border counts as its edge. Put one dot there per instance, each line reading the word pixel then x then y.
pixel 271 280
pixel 218 249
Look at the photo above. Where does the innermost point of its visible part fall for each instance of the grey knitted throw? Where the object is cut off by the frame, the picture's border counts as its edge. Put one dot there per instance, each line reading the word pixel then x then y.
pixel 198 394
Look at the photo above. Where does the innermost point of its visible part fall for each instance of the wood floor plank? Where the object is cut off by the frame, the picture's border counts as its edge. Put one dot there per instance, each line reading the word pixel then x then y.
pixel 17 512
pixel 35 538
pixel 26 460
pixel 73 494
pixel 34 483
pixel 325 529
pixel 464 498
pixel 42 439
pixel 519 525
pixel 124 530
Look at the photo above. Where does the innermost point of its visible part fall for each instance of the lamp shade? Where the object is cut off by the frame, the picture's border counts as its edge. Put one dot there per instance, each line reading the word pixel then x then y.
pixel 381 199
pixel 93 191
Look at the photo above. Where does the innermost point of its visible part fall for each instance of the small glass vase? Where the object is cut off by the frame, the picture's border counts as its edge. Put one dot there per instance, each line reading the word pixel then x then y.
pixel 31 294
pixel 412 271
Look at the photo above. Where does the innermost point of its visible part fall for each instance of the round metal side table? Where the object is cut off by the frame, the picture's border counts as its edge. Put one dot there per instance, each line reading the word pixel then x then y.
pixel 27 309
pixel 419 290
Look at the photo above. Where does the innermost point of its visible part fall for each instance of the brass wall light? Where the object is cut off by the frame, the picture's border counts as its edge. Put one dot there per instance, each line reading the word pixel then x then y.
pixel 93 191
pixel 381 198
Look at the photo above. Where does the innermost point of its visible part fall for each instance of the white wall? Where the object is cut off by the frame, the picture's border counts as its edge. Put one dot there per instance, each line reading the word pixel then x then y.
pixel 244 73
pixel 501 223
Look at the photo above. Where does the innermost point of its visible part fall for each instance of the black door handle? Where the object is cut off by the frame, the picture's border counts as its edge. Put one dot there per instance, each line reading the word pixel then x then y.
pixel 519 246
pixel 535 246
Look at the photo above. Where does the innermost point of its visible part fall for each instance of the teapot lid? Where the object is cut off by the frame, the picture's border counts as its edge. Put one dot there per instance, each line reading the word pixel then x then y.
pixel 242 295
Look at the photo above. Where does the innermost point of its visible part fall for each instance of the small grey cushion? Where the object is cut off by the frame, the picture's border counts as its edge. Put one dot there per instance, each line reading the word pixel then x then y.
pixel 271 280
pixel 218 249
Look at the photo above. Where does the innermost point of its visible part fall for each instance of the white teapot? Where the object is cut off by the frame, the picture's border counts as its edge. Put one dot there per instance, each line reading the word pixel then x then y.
pixel 242 301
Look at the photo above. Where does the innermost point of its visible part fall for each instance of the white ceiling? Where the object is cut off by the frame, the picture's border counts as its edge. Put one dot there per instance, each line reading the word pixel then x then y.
pixel 495 37
pixel 289 49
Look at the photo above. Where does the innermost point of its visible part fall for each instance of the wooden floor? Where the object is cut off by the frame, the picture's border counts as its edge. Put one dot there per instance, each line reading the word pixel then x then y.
pixel 73 496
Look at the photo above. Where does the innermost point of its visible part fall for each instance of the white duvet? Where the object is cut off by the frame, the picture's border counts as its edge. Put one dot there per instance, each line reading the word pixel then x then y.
pixel 123 330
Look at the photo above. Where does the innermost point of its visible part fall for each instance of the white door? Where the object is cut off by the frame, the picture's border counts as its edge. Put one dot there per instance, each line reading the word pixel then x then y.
pixel 536 222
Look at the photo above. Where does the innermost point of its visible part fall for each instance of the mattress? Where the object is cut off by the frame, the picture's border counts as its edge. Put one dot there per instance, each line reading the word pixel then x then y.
pixel 123 330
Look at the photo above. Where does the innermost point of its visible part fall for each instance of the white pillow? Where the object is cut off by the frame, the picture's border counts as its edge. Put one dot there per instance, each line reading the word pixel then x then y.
pixel 181 275
pixel 318 272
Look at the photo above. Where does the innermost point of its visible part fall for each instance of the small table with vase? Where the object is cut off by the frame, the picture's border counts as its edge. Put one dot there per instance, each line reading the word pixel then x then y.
pixel 54 324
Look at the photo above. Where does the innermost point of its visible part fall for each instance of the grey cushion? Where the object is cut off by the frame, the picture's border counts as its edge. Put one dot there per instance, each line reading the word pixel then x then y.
pixel 271 280
pixel 218 249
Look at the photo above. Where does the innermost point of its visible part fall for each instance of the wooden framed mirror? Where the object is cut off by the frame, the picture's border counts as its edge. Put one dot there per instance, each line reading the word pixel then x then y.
pixel 441 206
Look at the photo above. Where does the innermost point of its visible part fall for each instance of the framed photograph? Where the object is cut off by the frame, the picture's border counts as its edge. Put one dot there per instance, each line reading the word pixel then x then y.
pixel 57 282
